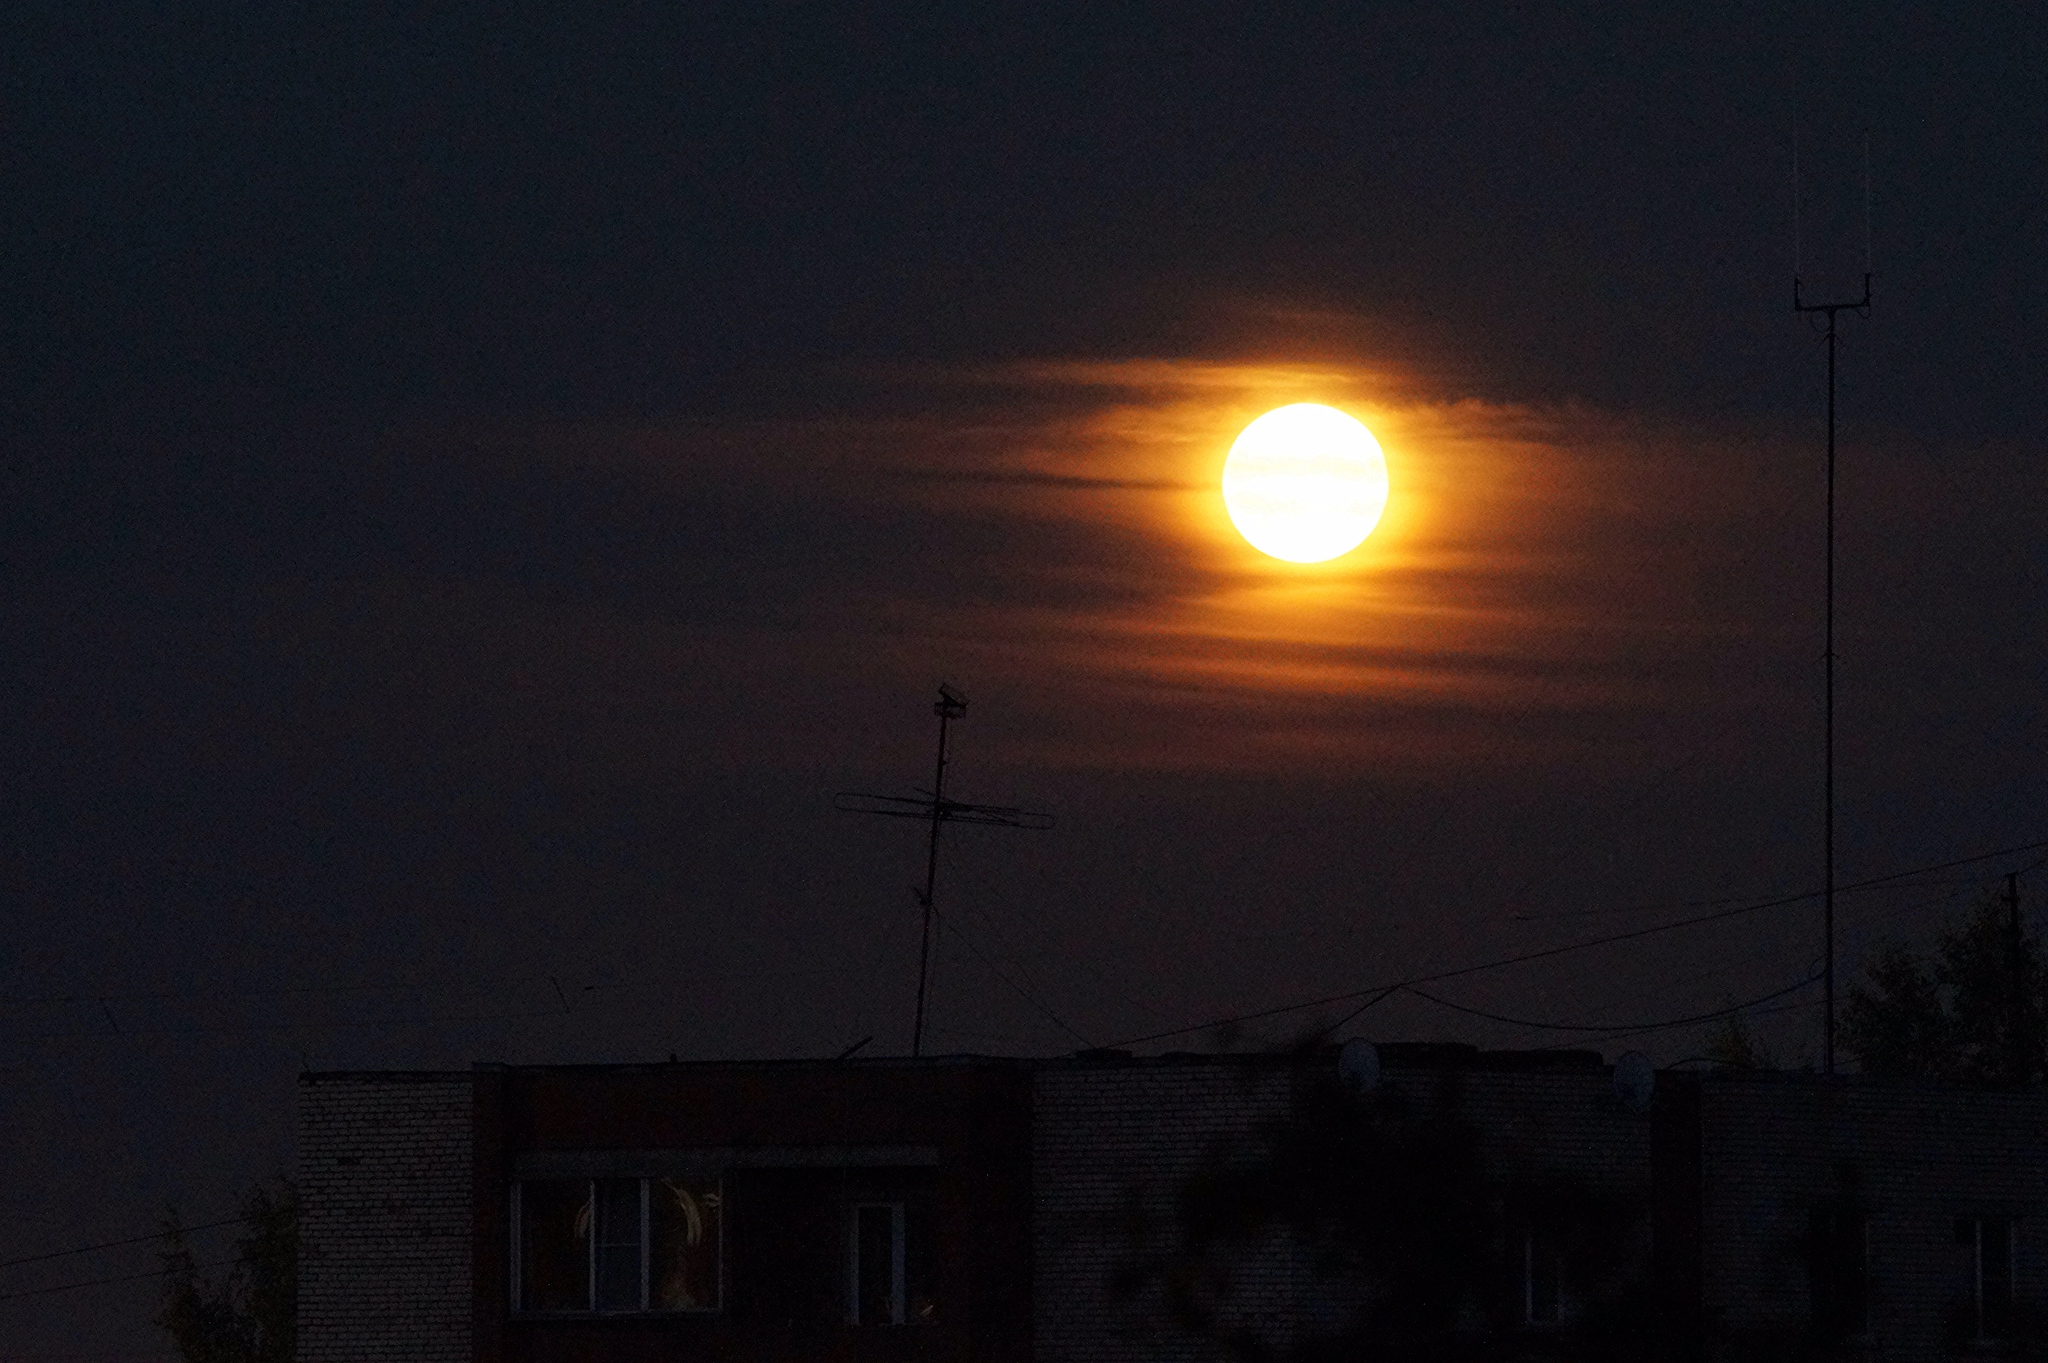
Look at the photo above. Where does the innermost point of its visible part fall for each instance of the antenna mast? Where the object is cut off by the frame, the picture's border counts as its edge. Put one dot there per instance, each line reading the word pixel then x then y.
pixel 1861 307
pixel 938 811
pixel 948 708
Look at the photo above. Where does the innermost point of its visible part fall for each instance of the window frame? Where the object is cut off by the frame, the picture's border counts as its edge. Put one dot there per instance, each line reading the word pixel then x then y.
pixel 591 1310
pixel 1981 1327
pixel 899 1274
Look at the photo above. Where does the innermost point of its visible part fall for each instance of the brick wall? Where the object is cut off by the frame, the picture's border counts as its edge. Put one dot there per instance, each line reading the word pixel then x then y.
pixel 1916 1156
pixel 1555 1128
pixel 1110 1146
pixel 386 1217
pixel 1565 1122
pixel 395 1235
pixel 1113 1142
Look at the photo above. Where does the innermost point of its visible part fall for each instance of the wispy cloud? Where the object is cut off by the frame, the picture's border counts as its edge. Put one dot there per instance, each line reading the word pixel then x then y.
pixel 1054 531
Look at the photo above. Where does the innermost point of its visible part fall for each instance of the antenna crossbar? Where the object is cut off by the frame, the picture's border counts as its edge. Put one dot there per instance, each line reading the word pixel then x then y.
pixel 947 811
pixel 938 811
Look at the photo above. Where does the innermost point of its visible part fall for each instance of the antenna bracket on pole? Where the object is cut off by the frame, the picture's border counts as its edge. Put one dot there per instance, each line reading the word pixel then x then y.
pixel 937 811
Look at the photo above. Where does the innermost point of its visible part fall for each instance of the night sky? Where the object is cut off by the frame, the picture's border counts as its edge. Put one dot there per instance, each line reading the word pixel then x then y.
pixel 476 480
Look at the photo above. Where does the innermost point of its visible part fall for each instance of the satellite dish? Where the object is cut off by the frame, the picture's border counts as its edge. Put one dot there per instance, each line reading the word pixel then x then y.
pixel 1635 1081
pixel 1358 1065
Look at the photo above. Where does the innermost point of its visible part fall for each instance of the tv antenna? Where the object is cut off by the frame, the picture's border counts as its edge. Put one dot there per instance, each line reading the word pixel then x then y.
pixel 938 811
pixel 1861 307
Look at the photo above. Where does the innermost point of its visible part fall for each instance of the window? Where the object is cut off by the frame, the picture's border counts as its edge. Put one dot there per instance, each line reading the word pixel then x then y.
pixel 617 1245
pixel 875 1287
pixel 1838 1272
pixel 1988 1240
pixel 553 1229
pixel 1537 1297
pixel 685 1243
pixel 620 1267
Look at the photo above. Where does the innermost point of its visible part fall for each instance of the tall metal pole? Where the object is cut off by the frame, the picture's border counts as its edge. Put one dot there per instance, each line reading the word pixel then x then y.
pixel 2020 1044
pixel 936 810
pixel 948 708
pixel 1862 308
pixel 1830 684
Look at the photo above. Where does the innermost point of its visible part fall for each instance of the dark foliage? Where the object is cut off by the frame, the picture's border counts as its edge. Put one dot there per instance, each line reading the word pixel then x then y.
pixel 1408 1233
pixel 248 1314
pixel 1970 1012
pixel 1733 1046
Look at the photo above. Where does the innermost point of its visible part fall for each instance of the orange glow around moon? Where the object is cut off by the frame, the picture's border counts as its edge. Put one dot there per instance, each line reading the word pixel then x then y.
pixel 1305 483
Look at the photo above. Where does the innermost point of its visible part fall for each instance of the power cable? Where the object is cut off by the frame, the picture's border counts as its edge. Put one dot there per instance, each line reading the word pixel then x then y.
pixel 100 1282
pixel 1810 1003
pixel 1547 952
pixel 946 921
pixel 116 1244
pixel 1761 1012
pixel 1376 998
pixel 1379 989
pixel 1665 988
pixel 1632 1028
pixel 987 921
pixel 1654 907
pixel 1727 966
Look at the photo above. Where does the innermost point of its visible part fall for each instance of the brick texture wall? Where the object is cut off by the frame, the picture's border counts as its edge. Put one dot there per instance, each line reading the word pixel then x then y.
pixel 1916 1156
pixel 1112 1143
pixel 1531 1122
pixel 1552 1127
pixel 386 1217
pixel 1110 1146
pixel 390 1218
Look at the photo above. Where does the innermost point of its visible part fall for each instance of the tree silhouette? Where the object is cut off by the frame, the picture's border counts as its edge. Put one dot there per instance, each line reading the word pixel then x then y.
pixel 1410 1236
pixel 1969 1012
pixel 248 1314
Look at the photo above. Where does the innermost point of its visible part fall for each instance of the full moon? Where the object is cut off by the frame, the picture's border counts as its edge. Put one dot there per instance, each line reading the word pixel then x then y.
pixel 1305 483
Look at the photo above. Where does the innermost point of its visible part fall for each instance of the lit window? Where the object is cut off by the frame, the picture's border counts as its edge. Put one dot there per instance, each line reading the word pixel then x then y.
pixel 1989 1242
pixel 683 1240
pixel 617 1245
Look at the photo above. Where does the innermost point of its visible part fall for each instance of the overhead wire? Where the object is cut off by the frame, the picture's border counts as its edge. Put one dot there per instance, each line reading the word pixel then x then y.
pixel 1760 1012
pixel 313 1026
pixel 986 920
pixel 945 921
pixel 1664 986
pixel 117 1244
pixel 1750 1007
pixel 1546 953
pixel 101 1282
pixel 1724 967
pixel 1655 906
pixel 1632 1028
